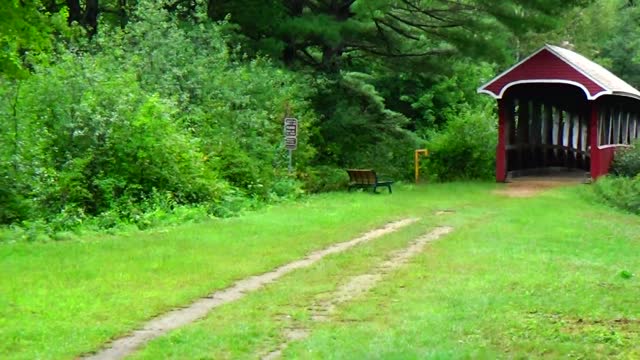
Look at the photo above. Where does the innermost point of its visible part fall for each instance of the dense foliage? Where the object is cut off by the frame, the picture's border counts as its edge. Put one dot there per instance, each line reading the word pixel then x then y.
pixel 622 188
pixel 168 112
pixel 627 161
pixel 122 111
pixel 465 148
pixel 619 191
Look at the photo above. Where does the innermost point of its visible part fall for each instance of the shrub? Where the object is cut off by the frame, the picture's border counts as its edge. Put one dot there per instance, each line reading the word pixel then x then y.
pixel 620 192
pixel 465 148
pixel 284 188
pixel 14 206
pixel 171 109
pixel 627 161
pixel 324 178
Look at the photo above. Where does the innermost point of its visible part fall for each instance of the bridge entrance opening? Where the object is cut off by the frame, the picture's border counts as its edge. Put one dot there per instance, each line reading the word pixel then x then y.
pixel 546 131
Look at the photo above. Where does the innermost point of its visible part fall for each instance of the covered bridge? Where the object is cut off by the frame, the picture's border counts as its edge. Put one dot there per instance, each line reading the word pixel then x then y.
pixel 560 110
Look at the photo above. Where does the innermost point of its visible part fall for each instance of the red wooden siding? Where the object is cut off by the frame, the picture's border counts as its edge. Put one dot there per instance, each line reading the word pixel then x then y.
pixel 543 66
pixel 601 161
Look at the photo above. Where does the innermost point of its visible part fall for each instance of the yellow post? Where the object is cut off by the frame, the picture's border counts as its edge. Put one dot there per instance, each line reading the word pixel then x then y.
pixel 416 163
pixel 425 152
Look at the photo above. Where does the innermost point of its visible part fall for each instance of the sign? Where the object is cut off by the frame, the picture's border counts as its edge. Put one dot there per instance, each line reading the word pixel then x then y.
pixel 291 143
pixel 291 133
pixel 291 127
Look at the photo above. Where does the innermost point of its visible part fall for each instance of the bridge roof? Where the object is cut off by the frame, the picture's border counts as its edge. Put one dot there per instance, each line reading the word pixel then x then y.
pixel 553 64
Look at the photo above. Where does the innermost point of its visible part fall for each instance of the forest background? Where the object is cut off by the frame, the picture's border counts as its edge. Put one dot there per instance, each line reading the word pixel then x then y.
pixel 131 112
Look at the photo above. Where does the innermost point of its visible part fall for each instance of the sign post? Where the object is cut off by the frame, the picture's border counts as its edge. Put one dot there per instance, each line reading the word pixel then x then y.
pixel 290 138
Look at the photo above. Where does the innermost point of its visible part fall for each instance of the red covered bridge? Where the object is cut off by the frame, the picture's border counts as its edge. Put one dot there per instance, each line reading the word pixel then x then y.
pixel 559 110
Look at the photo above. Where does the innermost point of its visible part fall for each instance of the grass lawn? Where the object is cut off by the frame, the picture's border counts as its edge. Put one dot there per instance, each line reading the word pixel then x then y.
pixel 517 278
pixel 541 280
pixel 61 299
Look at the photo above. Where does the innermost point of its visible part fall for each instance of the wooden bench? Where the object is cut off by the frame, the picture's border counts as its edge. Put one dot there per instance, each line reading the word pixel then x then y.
pixel 366 178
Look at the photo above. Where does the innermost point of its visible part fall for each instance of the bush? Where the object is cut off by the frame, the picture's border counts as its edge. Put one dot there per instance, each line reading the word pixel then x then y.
pixel 324 178
pixel 169 111
pixel 620 192
pixel 285 188
pixel 627 161
pixel 465 148
pixel 14 206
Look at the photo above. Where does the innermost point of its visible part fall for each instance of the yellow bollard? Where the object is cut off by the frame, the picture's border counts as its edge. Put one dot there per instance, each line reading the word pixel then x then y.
pixel 424 152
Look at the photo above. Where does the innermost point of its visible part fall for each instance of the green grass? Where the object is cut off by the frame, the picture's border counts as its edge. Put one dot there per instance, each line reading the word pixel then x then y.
pixel 62 299
pixel 254 325
pixel 537 281
pixel 518 278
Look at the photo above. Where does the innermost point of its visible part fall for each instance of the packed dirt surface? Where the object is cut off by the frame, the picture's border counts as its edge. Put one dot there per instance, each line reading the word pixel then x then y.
pixel 162 324
pixel 529 186
pixel 357 286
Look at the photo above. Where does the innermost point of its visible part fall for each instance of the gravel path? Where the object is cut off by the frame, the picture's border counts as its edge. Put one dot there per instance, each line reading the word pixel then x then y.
pixel 529 186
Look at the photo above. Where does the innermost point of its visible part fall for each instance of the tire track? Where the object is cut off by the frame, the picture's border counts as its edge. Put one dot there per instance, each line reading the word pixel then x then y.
pixel 177 318
pixel 357 286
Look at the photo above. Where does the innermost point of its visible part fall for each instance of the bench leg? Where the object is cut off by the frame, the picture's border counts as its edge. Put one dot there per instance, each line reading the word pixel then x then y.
pixel 389 187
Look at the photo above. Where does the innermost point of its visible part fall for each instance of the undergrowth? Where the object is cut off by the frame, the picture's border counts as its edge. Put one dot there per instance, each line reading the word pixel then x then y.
pixel 159 210
pixel 620 191
pixel 622 188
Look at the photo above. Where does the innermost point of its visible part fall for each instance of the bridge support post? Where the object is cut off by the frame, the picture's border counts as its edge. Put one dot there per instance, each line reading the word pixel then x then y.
pixel 594 152
pixel 501 152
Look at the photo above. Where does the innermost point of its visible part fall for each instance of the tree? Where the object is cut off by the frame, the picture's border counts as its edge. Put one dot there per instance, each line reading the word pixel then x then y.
pixel 605 30
pixel 328 34
pixel 25 28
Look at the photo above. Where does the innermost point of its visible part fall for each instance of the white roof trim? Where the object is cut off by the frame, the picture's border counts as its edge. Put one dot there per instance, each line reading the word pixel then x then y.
pixel 545 81
pixel 619 87
pixel 626 94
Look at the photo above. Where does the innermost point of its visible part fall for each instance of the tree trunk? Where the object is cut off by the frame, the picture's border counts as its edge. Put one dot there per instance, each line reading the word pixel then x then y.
pixel 341 11
pixel 215 9
pixel 295 8
pixel 75 11
pixel 16 130
pixel 88 17
pixel 91 17
pixel 123 16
